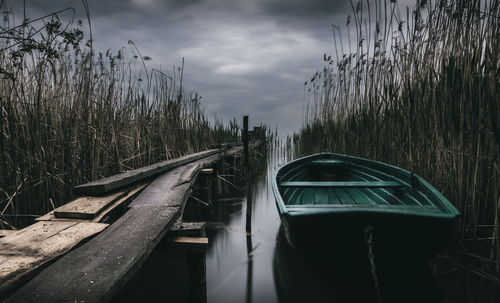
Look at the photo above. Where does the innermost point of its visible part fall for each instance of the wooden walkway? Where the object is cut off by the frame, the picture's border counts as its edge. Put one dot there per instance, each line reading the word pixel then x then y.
pixel 98 269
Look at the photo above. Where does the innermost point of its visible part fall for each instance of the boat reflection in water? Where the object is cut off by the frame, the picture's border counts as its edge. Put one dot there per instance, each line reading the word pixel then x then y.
pixel 314 276
pixel 300 278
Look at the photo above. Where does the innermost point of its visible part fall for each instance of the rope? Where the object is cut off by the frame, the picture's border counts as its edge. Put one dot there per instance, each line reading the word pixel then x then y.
pixel 371 256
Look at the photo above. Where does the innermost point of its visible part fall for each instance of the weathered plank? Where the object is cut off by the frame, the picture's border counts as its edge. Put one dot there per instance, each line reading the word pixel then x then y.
pixel 237 150
pixel 50 217
pixel 119 202
pixel 321 196
pixel 165 190
pixel 205 186
pixel 196 243
pixel 97 270
pixel 308 196
pixel 99 217
pixel 87 207
pixel 6 232
pixel 111 183
pixel 25 251
pixel 188 229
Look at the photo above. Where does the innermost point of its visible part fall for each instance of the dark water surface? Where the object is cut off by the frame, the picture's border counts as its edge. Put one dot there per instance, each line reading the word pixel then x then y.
pixel 259 266
pixel 239 264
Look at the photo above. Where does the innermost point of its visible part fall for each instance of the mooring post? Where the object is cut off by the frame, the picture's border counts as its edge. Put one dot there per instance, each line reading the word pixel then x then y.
pixel 245 141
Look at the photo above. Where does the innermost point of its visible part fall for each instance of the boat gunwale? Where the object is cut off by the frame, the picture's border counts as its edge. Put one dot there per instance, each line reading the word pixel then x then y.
pixel 301 210
pixel 450 211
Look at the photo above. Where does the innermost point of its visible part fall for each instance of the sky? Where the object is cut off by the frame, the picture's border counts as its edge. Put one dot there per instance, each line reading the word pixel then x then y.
pixel 243 57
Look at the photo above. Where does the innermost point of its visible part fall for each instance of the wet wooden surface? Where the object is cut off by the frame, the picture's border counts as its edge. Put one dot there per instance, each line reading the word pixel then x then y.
pixel 96 271
pixel 197 243
pixel 106 185
pixel 23 252
pixel 6 232
pixel 100 214
pixel 87 207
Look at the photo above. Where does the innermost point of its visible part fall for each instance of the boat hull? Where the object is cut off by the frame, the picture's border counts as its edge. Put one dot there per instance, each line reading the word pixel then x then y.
pixel 394 236
pixel 348 279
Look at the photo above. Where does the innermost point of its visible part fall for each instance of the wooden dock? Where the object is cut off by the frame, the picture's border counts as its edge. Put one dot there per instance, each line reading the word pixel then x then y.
pixel 96 270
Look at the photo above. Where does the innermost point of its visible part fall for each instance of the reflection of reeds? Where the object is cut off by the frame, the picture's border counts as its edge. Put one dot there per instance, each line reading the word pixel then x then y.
pixel 69 115
pixel 420 92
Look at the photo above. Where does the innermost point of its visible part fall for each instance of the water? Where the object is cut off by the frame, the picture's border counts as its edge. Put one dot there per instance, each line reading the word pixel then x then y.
pixel 239 264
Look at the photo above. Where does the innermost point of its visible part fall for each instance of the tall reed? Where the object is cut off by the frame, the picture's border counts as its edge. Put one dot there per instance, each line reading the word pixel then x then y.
pixel 69 115
pixel 420 90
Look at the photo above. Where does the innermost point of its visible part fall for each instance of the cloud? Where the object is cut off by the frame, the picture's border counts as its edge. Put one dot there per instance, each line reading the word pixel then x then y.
pixel 238 69
pixel 309 10
pixel 242 56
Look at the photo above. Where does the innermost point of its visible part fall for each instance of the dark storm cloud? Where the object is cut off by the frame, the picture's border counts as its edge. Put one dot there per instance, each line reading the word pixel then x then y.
pixel 243 57
pixel 304 9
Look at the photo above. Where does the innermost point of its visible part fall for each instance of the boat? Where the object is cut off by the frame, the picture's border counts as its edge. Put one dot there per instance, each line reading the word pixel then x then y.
pixel 299 277
pixel 341 204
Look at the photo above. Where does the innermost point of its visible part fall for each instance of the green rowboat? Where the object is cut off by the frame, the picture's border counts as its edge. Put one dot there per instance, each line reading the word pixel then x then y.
pixel 330 200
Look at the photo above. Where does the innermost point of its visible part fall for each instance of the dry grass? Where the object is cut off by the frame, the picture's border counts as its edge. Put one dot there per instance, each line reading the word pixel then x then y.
pixel 420 90
pixel 69 115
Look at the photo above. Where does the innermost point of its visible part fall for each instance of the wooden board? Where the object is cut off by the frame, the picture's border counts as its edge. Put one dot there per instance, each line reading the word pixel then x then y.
pixel 94 272
pixel 344 196
pixel 105 185
pixel 188 229
pixel 50 217
pixel 101 215
pixel 119 202
pixel 321 196
pixel 191 242
pixel 196 241
pixel 25 251
pixel 6 232
pixel 332 196
pixel 87 207
pixel 235 150
pixel 308 196
pixel 165 190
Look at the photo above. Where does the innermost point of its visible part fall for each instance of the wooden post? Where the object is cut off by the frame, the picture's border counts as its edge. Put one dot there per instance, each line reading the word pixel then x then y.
pixel 249 289
pixel 249 242
pixel 206 185
pixel 245 140
pixel 196 262
pixel 236 172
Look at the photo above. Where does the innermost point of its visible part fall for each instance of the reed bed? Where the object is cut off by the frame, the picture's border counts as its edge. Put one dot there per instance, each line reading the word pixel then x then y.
pixel 69 115
pixel 419 88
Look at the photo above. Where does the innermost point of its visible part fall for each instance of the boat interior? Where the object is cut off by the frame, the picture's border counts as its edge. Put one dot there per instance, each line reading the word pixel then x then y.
pixel 331 182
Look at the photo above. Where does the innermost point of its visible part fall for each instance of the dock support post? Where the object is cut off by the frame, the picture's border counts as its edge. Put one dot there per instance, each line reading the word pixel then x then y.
pixel 206 185
pixel 249 290
pixel 197 276
pixel 245 141
pixel 235 171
